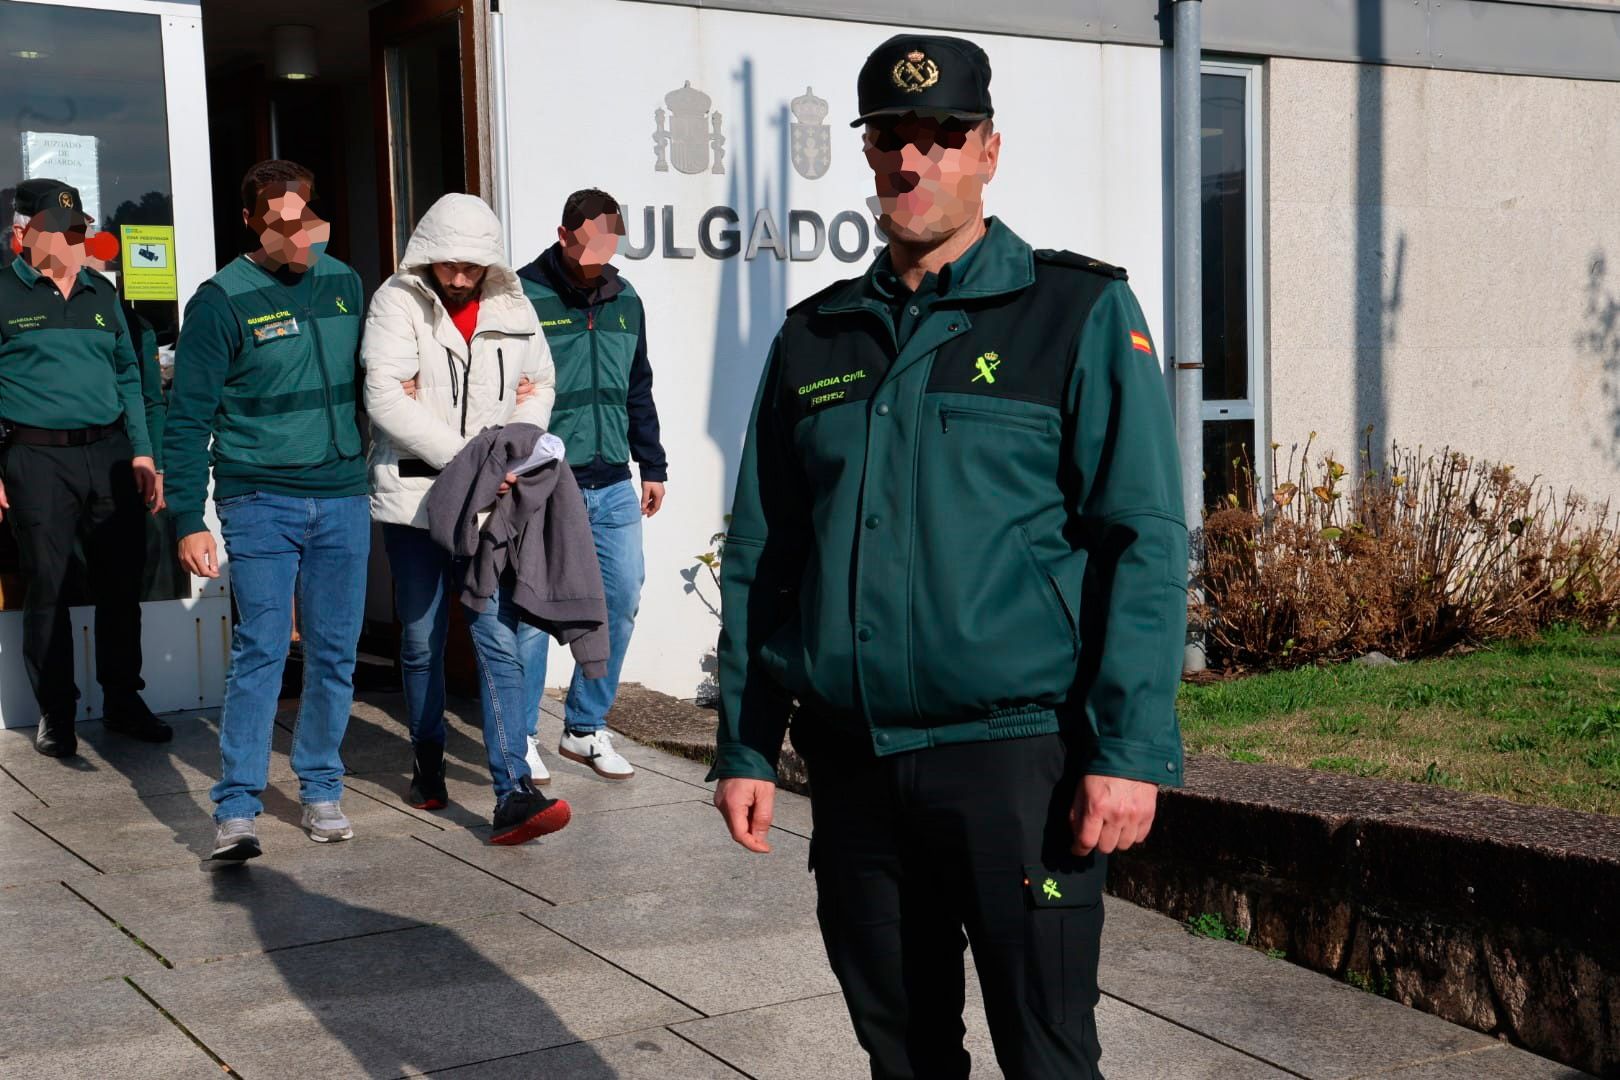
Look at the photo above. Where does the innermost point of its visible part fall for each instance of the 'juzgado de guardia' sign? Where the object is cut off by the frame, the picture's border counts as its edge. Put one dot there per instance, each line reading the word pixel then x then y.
pixel 689 137
pixel 719 234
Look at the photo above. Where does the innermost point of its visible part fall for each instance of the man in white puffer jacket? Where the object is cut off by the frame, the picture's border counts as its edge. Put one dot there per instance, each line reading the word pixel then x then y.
pixel 452 347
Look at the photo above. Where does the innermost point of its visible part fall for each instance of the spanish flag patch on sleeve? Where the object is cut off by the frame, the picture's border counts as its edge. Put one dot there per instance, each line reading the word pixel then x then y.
pixel 1140 342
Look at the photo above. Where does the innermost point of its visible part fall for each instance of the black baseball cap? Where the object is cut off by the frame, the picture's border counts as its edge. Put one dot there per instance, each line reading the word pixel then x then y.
pixel 924 73
pixel 58 203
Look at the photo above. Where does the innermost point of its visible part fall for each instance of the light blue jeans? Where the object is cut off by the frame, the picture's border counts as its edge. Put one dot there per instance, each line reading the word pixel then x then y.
pixel 280 546
pixel 615 514
pixel 511 654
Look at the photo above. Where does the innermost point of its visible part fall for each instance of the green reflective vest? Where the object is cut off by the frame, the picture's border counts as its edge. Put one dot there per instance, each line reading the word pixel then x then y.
pixel 592 350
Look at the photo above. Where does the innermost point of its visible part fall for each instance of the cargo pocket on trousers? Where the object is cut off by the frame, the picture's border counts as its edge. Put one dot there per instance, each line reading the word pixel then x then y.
pixel 1062 933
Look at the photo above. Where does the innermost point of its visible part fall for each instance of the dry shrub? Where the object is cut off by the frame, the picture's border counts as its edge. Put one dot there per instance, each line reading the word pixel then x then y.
pixel 1431 552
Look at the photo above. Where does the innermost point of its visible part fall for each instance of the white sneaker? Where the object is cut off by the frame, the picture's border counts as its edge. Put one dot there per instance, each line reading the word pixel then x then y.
pixel 596 750
pixel 325 822
pixel 539 775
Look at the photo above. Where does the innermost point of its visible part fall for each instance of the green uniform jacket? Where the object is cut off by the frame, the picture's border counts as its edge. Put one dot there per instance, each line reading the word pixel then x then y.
pixel 157 406
pixel 592 351
pixel 270 371
pixel 975 536
pixel 67 363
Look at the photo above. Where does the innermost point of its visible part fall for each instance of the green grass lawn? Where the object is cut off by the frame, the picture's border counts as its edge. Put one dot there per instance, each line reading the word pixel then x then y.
pixel 1535 721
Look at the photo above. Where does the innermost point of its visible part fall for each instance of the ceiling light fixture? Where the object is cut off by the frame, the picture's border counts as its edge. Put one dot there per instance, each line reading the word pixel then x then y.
pixel 292 48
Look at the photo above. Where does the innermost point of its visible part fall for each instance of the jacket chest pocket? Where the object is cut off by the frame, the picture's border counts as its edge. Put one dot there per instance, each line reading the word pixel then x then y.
pixel 961 417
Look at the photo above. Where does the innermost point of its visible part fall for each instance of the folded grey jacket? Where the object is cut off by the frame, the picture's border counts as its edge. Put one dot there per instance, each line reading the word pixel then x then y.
pixel 537 537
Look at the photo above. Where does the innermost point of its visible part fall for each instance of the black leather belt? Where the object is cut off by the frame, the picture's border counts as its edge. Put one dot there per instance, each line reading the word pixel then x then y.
pixel 23 435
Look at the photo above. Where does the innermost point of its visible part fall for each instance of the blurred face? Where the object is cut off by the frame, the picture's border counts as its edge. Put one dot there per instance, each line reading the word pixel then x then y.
pixel 48 251
pixel 930 173
pixel 458 282
pixel 290 233
pixel 592 246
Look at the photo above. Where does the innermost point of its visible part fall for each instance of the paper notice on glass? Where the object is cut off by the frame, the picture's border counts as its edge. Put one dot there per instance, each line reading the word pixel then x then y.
pixel 72 159
pixel 148 262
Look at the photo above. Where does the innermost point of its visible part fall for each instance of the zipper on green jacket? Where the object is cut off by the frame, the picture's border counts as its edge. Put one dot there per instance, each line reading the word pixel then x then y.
pixel 596 385
pixel 326 384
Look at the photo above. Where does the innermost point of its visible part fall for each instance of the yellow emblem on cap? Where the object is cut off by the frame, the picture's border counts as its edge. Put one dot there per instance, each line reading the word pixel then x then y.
pixel 65 200
pixel 914 72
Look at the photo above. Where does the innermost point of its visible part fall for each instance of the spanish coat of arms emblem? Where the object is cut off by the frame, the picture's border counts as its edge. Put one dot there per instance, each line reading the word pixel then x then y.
pixel 694 130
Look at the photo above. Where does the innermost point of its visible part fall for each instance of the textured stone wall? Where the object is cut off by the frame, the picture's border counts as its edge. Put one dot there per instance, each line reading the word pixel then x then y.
pixel 1491 914
pixel 1444 263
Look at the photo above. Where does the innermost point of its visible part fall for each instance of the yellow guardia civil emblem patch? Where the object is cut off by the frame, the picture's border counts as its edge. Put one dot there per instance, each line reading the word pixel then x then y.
pixel 915 72
pixel 64 200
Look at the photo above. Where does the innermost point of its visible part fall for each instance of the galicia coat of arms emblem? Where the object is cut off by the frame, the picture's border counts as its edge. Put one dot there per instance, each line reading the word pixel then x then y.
pixel 693 131
pixel 811 137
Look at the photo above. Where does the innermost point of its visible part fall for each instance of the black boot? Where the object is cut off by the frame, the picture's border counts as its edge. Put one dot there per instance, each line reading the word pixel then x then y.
pixel 524 814
pixel 130 716
pixel 56 737
pixel 427 777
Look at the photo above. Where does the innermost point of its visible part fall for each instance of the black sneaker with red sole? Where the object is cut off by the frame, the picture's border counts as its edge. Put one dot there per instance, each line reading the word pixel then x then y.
pixel 427 778
pixel 525 814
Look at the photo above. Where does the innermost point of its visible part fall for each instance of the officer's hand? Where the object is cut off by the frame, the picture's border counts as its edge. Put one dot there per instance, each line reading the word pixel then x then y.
pixel 652 497
pixel 157 503
pixel 146 478
pixel 199 555
pixel 746 805
pixel 526 389
pixel 409 386
pixel 4 504
pixel 1110 813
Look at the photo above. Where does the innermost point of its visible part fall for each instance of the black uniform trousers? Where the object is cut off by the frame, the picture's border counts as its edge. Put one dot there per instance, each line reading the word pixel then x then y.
pixel 63 495
pixel 912 850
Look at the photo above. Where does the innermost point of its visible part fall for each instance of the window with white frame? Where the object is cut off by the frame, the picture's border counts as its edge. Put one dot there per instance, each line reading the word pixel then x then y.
pixel 1235 446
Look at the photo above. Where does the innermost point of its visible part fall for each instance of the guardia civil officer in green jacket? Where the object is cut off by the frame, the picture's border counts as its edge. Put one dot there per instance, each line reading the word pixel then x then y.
pixel 267 370
pixel 78 463
pixel 957 543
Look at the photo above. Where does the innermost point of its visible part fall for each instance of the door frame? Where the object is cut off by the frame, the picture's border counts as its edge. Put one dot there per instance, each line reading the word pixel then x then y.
pixel 392 23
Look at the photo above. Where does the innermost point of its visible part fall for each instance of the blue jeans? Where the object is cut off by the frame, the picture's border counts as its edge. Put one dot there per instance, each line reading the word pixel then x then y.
pixel 509 651
pixel 280 546
pixel 615 514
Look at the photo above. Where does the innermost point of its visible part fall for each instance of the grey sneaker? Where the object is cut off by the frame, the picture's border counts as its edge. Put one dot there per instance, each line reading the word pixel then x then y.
pixel 236 841
pixel 324 821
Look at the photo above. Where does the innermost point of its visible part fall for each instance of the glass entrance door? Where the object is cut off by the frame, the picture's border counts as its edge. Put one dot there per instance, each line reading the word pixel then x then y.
pixel 424 84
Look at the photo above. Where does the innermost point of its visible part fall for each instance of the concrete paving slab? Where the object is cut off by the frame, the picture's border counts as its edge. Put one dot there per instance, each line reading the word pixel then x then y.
pixel 51 939
pixel 472 800
pixel 1139 1046
pixel 27 856
pixel 1123 921
pixel 778 1041
pixel 1499 1062
pixel 1236 995
pixel 13 796
pixel 123 834
pixel 408 1002
pixel 718 948
pixel 641 1055
pixel 811 1037
pixel 330 891
pixel 103 1030
pixel 108 764
pixel 642 849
